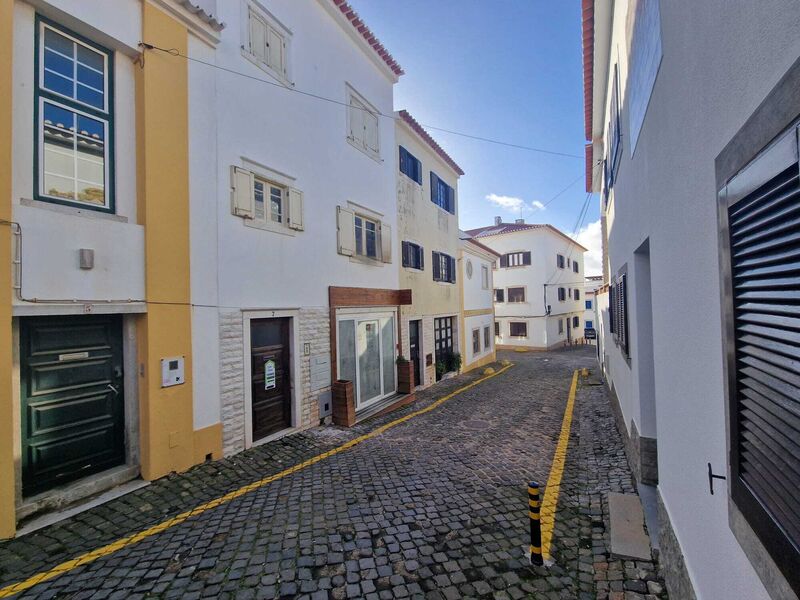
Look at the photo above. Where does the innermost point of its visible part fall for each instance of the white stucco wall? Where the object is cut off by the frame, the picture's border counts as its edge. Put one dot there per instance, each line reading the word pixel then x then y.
pixel 666 194
pixel 476 297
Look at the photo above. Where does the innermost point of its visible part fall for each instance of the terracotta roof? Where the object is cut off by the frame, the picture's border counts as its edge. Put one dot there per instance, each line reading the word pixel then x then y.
pixel 587 16
pixel 373 41
pixel 504 228
pixel 418 129
pixel 201 14
pixel 589 165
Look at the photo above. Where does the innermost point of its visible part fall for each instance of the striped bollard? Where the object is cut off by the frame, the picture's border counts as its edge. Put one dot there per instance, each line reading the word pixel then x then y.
pixel 534 506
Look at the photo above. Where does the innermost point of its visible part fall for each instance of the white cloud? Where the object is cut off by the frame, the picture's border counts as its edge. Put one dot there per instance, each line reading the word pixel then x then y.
pixel 592 238
pixel 514 205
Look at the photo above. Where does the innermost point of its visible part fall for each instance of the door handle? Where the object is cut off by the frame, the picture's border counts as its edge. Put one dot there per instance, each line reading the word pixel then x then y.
pixel 113 389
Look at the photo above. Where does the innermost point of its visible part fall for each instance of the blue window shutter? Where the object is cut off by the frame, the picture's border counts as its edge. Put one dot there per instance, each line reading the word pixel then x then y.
pixel 436 265
pixel 403 160
pixel 434 188
pixel 421 258
pixel 452 269
pixel 404 251
pixel 417 171
pixel 451 200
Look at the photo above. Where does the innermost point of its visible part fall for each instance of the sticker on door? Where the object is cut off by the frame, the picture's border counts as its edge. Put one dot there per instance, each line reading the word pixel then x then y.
pixel 269 374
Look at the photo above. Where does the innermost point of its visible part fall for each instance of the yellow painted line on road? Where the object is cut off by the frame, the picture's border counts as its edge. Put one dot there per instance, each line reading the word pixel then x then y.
pixel 550 501
pixel 89 557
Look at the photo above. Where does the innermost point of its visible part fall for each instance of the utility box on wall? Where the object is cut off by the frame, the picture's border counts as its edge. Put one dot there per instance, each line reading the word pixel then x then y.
pixel 172 371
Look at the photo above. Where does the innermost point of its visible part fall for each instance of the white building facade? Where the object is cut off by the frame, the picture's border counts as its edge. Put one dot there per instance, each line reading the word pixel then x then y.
pixel 697 167
pixel 591 284
pixel 477 294
pixel 538 285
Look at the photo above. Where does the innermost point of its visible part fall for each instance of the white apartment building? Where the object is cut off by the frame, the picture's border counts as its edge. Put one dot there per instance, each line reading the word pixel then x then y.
pixel 478 325
pixel 427 208
pixel 590 286
pixel 538 284
pixel 295 252
pixel 692 111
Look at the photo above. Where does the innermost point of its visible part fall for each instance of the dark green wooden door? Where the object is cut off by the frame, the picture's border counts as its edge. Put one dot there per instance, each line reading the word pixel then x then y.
pixel 73 421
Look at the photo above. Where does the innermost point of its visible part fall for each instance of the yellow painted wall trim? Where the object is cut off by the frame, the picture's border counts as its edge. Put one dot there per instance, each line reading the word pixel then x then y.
pixel 7 437
pixel 488 359
pixel 476 312
pixel 208 440
pixel 162 140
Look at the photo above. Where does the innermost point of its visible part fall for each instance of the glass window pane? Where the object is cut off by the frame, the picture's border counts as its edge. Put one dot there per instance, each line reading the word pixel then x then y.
pixel 259 199
pixel 369 361
pixel 59 43
pixel 372 250
pixel 276 201
pixel 387 343
pixel 58 84
pixel 347 351
pixel 90 96
pixel 359 236
pixel 90 77
pixel 90 58
pixel 59 64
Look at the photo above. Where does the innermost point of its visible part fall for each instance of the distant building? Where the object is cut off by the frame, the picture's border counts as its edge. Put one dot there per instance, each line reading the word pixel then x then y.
pixel 691 115
pixel 477 309
pixel 538 284
pixel 591 283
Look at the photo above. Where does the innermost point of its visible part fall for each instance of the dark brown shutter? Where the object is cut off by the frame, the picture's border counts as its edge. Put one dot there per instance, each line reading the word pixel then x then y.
pixel 434 187
pixel 404 246
pixel 504 261
pixel 452 269
pixel 421 252
pixel 765 385
pixel 526 258
pixel 437 264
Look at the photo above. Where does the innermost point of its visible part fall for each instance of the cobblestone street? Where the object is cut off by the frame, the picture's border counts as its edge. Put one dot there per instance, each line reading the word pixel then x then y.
pixel 434 508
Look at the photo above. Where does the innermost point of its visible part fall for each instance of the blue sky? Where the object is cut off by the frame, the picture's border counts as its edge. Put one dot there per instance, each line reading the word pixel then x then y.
pixel 509 70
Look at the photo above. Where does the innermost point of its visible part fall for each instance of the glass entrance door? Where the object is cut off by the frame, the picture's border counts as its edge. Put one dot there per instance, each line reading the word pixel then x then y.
pixel 366 355
pixel 368 345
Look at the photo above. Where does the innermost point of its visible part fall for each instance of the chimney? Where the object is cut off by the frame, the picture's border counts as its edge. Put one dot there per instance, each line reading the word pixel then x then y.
pixel 519 221
pixel 498 220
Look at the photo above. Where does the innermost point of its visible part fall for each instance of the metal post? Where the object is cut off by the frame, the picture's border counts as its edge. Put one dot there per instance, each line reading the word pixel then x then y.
pixel 534 505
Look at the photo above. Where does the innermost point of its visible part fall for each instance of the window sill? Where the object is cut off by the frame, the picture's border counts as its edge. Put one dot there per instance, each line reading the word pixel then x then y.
pixel 376 157
pixel 264 226
pixel 365 260
pixel 73 210
pixel 267 69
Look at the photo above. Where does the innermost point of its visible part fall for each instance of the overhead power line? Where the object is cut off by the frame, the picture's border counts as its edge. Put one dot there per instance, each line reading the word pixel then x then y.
pixel 176 52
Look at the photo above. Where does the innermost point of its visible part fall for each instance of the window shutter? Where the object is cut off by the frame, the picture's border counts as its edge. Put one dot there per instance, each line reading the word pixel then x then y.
pixel 451 200
pixel 258 38
pixel 434 187
pixel 526 258
pixel 404 160
pixel 356 121
pixel 623 314
pixel 371 132
pixel 436 266
pixel 275 48
pixel 295 209
pixel 421 252
pixel 611 299
pixel 345 231
pixel 504 260
pixel 452 269
pixel 242 204
pixel 405 250
pixel 386 243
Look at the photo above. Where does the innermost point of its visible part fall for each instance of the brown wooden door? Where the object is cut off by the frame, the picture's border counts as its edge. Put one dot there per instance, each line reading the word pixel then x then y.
pixel 270 376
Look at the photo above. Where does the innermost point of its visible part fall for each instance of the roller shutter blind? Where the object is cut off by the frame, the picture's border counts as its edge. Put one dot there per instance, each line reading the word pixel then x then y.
pixel 761 271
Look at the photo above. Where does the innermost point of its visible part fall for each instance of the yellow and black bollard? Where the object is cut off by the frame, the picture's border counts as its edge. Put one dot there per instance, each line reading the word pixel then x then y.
pixel 534 506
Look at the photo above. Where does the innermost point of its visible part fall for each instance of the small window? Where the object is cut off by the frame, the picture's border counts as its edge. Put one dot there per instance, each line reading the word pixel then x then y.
pixel 268 200
pixel 516 294
pixel 576 321
pixel 496 329
pixel 588 325
pixel 413 256
pixel 266 44
pixel 484 277
pixel 362 125
pixel 560 261
pixel 561 326
pixel 442 194
pixel 74 121
pixel 576 295
pixel 588 305
pixel 562 294
pixel 410 165
pixel 575 266
pixel 515 259
pixel 366 237
pixel 264 203
pixel 518 329
pixel 487 342
pixel 499 295
pixel 476 341
pixel 444 267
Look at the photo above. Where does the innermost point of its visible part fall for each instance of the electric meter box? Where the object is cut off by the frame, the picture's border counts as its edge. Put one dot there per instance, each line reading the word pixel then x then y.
pixel 172 371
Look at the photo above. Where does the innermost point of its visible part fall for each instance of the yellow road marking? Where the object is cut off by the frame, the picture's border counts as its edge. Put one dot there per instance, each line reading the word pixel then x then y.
pixel 84 559
pixel 548 511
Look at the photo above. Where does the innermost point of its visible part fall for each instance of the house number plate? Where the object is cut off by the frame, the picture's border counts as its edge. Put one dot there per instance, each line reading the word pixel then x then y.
pixel 73 356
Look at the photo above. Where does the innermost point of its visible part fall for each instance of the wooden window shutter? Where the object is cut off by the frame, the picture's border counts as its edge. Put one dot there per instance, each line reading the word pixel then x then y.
pixel 404 160
pixel 762 337
pixel 275 48
pixel 504 260
pixel 451 200
pixel 434 187
pixel 386 243
pixel 242 203
pixel 356 120
pixel 452 269
pixel 371 138
pixel 295 209
pixel 258 38
pixel 421 252
pixel 345 231
pixel 437 266
pixel 526 258
pixel 405 249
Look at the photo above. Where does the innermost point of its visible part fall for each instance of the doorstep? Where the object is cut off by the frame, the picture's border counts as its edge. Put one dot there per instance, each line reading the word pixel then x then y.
pixel 386 405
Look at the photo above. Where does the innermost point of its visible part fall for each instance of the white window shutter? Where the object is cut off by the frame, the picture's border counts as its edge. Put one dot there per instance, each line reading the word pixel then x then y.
pixel 295 209
pixel 242 204
pixel 345 231
pixel 275 44
pixel 386 243
pixel 356 121
pixel 258 38
pixel 371 132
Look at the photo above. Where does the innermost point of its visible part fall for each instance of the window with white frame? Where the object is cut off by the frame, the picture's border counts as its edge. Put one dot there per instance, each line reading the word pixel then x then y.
pixel 362 235
pixel 267 43
pixel 363 127
pixel 74 119
pixel 476 341
pixel 366 236
pixel 518 329
pixel 484 277
pixel 516 294
pixel 265 203
pixel 444 267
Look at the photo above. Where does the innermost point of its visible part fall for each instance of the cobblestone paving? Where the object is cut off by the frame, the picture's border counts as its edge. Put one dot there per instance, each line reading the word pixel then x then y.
pixel 435 508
